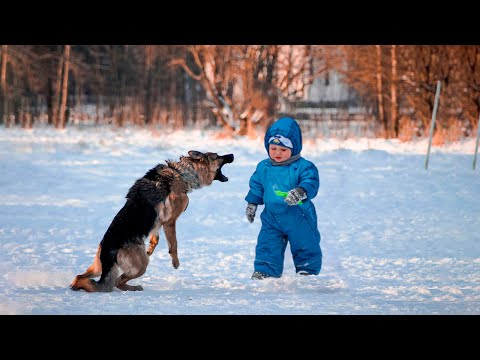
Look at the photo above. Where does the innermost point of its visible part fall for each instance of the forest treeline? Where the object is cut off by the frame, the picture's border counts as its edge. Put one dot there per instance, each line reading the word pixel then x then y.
pixel 237 87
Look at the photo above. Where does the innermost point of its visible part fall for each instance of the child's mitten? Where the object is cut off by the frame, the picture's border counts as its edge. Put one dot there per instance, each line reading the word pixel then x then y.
pixel 295 196
pixel 250 211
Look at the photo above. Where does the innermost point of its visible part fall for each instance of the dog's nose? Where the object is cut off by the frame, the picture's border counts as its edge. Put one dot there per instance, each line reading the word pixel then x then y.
pixel 228 158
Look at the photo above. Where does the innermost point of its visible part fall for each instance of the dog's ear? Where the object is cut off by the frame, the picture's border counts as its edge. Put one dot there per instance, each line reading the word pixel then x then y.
pixel 212 156
pixel 195 155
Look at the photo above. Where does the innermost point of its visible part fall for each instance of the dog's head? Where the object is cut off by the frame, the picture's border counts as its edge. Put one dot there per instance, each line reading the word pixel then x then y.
pixel 209 165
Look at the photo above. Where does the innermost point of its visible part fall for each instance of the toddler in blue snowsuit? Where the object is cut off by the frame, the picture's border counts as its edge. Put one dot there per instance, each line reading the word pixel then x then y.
pixel 285 183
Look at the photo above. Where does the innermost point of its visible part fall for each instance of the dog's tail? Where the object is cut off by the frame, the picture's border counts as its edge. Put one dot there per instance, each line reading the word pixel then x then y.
pixel 84 281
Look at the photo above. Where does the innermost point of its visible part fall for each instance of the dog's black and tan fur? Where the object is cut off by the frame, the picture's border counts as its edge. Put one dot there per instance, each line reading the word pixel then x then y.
pixel 155 200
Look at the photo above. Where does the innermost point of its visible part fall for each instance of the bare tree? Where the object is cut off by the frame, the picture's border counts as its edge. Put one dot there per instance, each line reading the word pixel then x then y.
pixel 148 76
pixel 25 80
pixel 63 103
pixel 423 66
pixel 381 114
pixel 56 92
pixel 359 70
pixel 244 82
pixel 393 90
pixel 470 85
pixel 3 85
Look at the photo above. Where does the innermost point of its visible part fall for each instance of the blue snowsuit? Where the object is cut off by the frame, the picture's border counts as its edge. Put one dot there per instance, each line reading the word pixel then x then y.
pixel 280 222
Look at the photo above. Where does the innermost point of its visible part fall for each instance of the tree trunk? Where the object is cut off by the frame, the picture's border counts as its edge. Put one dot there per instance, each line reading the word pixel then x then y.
pixel 381 114
pixel 63 104
pixel 394 104
pixel 148 84
pixel 26 118
pixel 123 99
pixel 172 103
pixel 49 101
pixel 18 110
pixel 98 108
pixel 3 86
pixel 56 92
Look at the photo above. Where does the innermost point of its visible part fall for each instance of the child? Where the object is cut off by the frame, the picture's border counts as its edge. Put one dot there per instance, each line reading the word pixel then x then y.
pixel 286 183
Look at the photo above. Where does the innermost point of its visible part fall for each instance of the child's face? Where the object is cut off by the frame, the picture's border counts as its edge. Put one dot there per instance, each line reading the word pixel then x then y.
pixel 279 153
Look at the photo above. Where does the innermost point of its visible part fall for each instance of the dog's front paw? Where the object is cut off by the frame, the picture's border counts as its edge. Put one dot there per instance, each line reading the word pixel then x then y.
pixel 175 263
pixel 150 250
pixel 152 245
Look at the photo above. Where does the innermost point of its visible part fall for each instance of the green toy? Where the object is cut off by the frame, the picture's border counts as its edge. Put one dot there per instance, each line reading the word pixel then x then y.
pixel 284 195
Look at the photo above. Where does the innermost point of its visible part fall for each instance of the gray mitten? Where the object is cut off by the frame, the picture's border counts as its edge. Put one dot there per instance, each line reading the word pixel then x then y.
pixel 250 211
pixel 295 196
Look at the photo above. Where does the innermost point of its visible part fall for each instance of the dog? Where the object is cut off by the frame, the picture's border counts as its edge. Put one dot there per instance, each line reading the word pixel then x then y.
pixel 154 201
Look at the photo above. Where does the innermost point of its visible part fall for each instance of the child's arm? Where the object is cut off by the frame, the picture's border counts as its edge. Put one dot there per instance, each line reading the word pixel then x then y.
pixel 309 180
pixel 255 195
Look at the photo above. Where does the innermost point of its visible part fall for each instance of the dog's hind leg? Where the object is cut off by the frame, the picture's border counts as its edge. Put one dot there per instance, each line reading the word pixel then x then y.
pixel 93 270
pixel 171 235
pixel 109 276
pixel 121 284
pixel 133 261
pixel 105 284
pixel 110 273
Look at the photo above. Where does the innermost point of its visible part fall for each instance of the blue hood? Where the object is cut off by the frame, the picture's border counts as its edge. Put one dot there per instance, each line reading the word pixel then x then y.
pixel 289 128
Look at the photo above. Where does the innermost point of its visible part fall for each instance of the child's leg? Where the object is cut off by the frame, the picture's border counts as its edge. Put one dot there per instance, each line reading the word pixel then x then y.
pixel 270 249
pixel 304 240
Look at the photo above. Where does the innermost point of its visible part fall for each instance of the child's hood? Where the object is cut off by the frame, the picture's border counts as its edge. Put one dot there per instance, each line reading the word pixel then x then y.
pixel 289 128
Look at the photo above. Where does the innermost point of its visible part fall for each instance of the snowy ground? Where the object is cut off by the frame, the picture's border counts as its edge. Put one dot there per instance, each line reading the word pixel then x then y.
pixel 396 239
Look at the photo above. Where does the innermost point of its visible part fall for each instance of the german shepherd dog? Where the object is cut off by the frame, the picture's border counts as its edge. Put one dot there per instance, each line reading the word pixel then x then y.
pixel 155 200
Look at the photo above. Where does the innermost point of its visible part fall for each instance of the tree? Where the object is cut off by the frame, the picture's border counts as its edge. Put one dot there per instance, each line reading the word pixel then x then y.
pixel 3 84
pixel 379 69
pixel 63 102
pixel 393 91
pixel 244 83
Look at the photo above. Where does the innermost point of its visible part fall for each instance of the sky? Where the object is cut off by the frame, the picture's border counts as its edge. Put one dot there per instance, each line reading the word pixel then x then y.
pixel 397 239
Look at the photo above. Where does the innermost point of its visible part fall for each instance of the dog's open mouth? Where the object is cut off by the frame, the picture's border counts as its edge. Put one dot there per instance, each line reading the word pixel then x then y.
pixel 227 159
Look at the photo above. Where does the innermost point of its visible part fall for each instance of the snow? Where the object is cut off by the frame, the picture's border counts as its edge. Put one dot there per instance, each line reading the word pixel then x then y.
pixel 396 238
